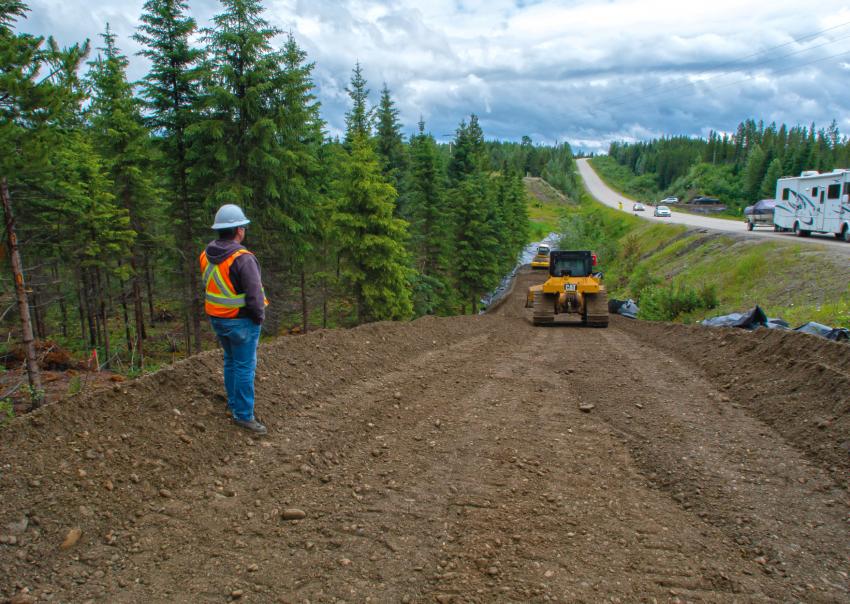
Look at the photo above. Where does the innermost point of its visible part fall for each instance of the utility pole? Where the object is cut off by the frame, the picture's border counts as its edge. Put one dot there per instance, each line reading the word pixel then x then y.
pixel 33 373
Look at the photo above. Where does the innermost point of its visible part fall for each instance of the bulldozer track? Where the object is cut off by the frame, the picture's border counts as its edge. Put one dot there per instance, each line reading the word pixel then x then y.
pixel 544 308
pixel 596 309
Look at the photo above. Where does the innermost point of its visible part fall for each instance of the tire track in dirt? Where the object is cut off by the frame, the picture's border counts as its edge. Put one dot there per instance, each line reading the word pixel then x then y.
pixel 442 460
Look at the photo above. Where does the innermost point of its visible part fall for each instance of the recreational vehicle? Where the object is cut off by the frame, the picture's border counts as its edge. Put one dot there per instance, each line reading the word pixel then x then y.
pixel 814 203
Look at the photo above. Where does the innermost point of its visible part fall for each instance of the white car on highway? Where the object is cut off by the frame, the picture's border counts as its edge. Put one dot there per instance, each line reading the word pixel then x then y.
pixel 662 212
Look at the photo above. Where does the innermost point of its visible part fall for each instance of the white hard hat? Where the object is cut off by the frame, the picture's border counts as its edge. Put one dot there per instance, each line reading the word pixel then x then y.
pixel 229 216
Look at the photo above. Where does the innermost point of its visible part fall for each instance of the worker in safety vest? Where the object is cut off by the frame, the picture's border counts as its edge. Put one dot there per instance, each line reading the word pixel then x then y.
pixel 235 303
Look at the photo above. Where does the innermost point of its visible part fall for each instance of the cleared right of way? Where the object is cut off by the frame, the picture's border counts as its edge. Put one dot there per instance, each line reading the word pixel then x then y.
pixel 611 198
pixel 448 460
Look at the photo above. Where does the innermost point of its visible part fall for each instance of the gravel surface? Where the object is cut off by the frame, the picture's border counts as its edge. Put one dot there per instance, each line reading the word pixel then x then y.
pixel 448 460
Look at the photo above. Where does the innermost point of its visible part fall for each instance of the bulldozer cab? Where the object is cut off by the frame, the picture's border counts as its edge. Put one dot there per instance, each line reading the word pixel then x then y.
pixel 571 263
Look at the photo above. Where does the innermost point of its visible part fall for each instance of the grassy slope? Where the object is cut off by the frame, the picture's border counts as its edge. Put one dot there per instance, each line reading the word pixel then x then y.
pixel 799 283
pixel 546 207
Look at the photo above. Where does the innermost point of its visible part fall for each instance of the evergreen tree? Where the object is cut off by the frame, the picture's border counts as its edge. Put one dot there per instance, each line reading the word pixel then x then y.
pixel 754 172
pixel 469 155
pixel 300 136
pixel 514 206
pixel 478 219
pixel 476 263
pixel 123 142
pixel 236 145
pixel 389 144
pixel 768 185
pixel 170 91
pixel 93 229
pixel 371 239
pixel 431 226
pixel 38 90
pixel 358 119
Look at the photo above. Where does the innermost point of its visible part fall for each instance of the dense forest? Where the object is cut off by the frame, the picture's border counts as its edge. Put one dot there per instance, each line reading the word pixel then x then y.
pixel 113 186
pixel 738 168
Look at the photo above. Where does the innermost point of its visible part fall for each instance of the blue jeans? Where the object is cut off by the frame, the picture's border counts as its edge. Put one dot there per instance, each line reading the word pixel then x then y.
pixel 239 339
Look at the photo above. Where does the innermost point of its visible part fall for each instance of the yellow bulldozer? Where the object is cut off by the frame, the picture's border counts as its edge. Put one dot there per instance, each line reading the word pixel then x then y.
pixel 574 287
pixel 541 258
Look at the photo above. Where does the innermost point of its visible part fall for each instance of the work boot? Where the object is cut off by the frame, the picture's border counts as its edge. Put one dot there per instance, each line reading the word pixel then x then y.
pixel 251 424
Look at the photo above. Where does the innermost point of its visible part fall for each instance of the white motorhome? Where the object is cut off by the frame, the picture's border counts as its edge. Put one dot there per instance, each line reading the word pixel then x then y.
pixel 814 203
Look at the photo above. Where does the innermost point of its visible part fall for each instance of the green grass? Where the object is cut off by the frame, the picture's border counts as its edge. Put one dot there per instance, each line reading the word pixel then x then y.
pixel 798 283
pixel 545 213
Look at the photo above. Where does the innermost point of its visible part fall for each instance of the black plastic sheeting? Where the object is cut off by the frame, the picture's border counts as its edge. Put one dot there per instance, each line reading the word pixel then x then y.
pixel 497 294
pixel 756 317
pixel 627 308
pixel 839 334
pixel 507 281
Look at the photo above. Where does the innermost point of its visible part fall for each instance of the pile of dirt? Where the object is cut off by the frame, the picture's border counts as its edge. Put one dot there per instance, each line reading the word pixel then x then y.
pixel 797 384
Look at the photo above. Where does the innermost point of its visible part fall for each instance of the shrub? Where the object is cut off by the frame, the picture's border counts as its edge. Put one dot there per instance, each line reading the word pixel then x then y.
pixel 666 303
pixel 641 280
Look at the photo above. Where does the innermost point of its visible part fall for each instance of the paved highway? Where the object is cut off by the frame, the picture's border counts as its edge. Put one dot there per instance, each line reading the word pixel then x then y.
pixel 609 197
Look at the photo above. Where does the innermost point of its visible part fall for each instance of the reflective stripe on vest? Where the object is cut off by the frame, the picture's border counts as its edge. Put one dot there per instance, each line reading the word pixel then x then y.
pixel 221 299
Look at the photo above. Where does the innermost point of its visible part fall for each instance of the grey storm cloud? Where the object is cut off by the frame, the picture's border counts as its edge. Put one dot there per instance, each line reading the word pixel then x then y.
pixel 584 72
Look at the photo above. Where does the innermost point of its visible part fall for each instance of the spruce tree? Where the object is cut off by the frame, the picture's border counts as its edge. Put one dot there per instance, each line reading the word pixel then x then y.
pixel 514 215
pixel 479 224
pixel 124 143
pixel 476 259
pixel 371 239
pixel 38 90
pixel 754 172
pixel 294 216
pixel 236 144
pixel 170 91
pixel 768 185
pixel 358 119
pixel 389 143
pixel 469 154
pixel 431 226
pixel 236 147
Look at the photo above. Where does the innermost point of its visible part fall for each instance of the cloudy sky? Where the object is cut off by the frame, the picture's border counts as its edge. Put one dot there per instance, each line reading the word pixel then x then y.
pixel 582 71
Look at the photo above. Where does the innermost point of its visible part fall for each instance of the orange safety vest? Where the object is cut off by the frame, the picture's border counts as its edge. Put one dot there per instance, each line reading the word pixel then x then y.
pixel 221 298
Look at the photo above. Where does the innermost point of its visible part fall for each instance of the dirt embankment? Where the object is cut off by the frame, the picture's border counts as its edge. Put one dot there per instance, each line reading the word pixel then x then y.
pixel 447 460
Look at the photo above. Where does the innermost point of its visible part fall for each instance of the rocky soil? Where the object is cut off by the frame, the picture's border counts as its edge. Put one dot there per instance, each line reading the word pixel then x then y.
pixel 466 459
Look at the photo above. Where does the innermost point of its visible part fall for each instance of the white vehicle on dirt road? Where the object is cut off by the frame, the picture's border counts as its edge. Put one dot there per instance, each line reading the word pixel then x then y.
pixel 814 203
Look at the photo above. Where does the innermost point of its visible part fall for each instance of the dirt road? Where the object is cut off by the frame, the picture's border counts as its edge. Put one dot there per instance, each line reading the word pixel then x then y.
pixel 602 193
pixel 446 460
